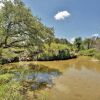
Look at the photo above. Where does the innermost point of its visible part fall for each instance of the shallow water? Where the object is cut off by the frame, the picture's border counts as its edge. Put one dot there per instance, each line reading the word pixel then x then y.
pixel 80 80
pixel 33 75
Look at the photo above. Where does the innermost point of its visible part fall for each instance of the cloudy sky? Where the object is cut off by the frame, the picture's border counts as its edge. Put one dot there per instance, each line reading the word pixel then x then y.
pixel 70 18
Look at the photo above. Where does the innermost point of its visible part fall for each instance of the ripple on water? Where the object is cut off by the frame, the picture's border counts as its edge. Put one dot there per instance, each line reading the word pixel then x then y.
pixel 77 84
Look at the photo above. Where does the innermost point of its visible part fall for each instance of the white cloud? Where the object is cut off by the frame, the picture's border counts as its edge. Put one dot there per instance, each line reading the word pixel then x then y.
pixel 72 40
pixel 95 35
pixel 62 15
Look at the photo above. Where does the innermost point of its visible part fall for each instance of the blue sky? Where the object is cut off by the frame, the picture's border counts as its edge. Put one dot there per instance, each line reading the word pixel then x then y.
pixel 81 18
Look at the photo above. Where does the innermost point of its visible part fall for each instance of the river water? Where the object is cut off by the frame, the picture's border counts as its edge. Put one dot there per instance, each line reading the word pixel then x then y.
pixel 80 80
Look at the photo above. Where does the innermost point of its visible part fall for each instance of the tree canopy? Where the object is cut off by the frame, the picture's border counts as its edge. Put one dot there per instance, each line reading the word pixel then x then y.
pixel 20 31
pixel 19 28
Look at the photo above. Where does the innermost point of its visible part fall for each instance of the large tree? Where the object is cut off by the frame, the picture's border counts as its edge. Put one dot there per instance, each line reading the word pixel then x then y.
pixel 20 29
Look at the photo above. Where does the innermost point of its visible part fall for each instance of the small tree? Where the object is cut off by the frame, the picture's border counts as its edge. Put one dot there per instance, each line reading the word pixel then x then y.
pixel 78 44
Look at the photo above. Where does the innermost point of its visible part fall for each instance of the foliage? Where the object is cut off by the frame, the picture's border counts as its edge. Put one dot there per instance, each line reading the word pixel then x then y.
pixel 89 52
pixel 56 52
pixel 10 91
pixel 78 44
pixel 97 55
pixel 88 46
pixel 5 78
pixel 20 29
pixel 87 43
pixel 62 41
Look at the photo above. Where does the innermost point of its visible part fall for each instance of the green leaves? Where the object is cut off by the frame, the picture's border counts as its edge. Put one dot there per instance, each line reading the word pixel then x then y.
pixel 78 44
pixel 19 24
pixel 20 29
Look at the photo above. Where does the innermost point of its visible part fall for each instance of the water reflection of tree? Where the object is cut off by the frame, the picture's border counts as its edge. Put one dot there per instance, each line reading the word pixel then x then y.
pixel 22 73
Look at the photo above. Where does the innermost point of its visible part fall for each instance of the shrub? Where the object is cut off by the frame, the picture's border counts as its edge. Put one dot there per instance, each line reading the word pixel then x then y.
pixel 89 52
pixel 10 91
pixel 97 55
pixel 54 55
pixel 5 78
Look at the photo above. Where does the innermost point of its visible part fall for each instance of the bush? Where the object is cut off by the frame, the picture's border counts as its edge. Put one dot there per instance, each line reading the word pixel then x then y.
pixel 64 54
pixel 54 55
pixel 89 52
pixel 10 91
pixel 97 55
pixel 5 78
pixel 7 56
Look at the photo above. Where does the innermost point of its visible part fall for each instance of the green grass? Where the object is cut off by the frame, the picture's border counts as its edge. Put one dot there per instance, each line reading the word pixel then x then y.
pixel 89 52
pixel 10 91
pixel 5 78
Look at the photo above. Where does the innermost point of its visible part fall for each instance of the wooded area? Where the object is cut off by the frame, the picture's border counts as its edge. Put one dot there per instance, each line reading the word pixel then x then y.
pixel 24 37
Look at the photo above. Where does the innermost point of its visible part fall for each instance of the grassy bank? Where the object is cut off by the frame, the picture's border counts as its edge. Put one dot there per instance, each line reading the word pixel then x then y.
pixel 22 82
pixel 90 52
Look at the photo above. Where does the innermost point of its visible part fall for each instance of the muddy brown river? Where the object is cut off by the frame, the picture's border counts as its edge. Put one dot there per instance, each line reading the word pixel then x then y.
pixel 80 79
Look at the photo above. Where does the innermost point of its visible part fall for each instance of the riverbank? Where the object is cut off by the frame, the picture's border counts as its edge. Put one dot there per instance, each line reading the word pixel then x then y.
pixel 59 64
